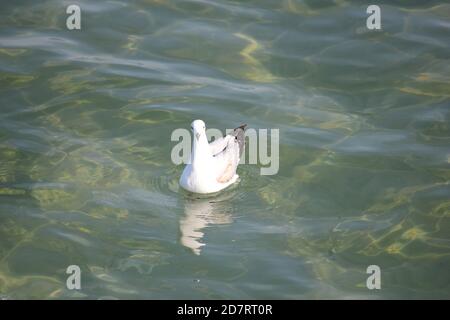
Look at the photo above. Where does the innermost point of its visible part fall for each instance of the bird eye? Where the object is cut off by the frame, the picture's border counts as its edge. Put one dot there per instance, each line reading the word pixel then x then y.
pixel 192 128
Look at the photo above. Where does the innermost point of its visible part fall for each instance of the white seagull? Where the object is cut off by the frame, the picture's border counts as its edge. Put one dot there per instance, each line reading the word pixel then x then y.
pixel 213 165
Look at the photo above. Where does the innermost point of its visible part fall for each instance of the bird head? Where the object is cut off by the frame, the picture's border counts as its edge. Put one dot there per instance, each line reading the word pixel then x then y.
pixel 198 128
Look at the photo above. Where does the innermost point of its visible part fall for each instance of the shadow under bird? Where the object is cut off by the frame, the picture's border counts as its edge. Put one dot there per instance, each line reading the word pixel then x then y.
pixel 213 165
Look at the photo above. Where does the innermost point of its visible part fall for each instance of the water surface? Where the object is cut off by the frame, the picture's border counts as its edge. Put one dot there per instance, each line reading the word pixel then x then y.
pixel 86 176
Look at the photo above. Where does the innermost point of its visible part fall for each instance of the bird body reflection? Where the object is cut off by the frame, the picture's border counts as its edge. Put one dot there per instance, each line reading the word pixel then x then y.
pixel 200 213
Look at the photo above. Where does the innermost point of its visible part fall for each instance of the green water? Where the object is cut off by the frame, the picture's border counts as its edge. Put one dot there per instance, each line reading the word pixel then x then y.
pixel 86 176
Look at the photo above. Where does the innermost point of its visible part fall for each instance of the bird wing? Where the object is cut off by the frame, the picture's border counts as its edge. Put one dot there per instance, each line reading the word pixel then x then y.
pixel 227 161
pixel 219 144
pixel 239 134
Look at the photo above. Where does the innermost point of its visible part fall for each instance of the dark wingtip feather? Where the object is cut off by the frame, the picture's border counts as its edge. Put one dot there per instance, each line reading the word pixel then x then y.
pixel 239 133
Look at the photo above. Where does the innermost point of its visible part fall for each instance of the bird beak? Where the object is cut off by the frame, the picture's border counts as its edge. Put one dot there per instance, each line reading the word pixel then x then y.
pixel 197 135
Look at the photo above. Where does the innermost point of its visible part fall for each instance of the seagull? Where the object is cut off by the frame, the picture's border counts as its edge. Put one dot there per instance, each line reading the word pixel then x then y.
pixel 213 165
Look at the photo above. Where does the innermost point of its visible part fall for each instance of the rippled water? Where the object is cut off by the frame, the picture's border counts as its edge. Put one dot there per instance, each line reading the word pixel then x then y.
pixel 86 176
